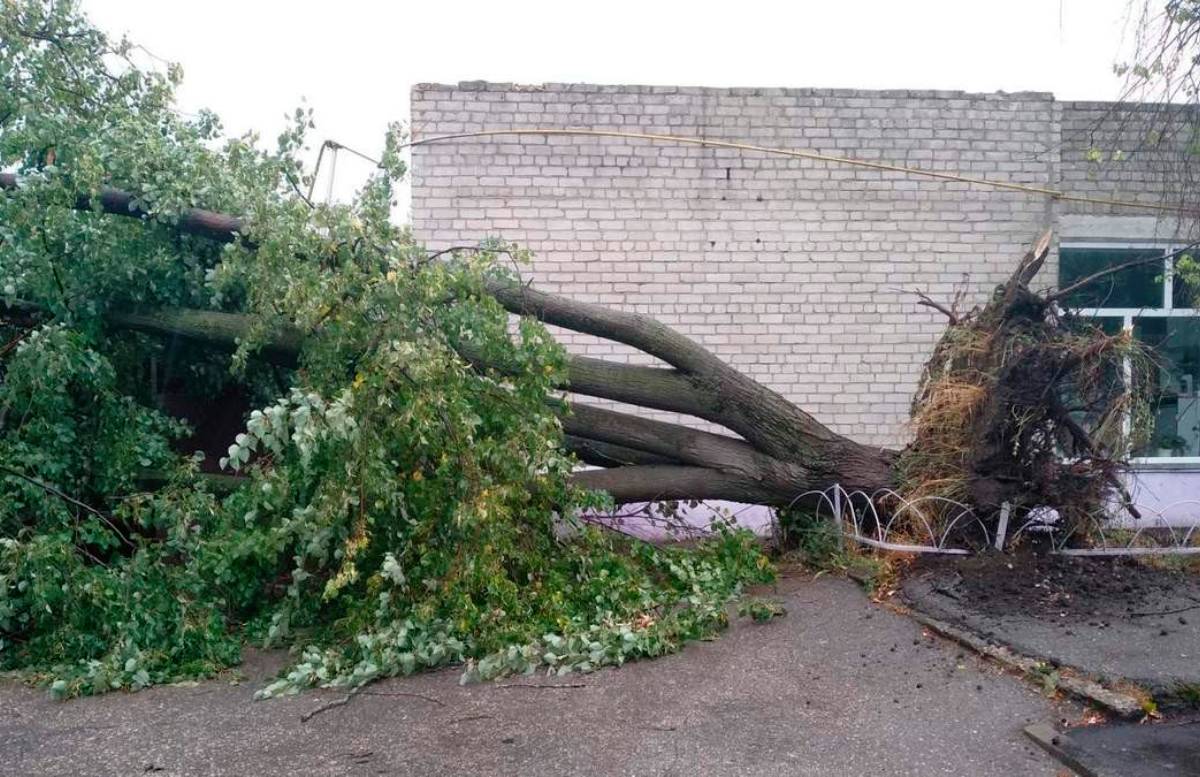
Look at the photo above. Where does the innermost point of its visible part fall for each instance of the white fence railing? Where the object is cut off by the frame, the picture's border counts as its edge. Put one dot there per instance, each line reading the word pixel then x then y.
pixel 886 520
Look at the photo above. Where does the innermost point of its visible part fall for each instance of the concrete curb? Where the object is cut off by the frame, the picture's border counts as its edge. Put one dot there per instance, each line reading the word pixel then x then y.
pixel 1049 739
pixel 1120 704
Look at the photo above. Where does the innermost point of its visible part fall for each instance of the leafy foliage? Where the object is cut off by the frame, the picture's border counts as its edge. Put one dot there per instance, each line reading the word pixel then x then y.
pixel 761 610
pixel 399 506
pixel 805 532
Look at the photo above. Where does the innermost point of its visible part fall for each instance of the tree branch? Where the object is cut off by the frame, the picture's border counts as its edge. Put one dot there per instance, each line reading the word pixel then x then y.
pixel 1074 287
pixel 652 387
pixel 49 489
pixel 634 329
pixel 652 483
pixel 604 454
pixel 706 386
pixel 740 403
pixel 208 224
pixel 925 300
pixel 737 463
pixel 673 441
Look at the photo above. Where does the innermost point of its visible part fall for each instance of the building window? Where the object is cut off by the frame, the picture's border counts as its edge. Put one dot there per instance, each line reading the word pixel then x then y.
pixel 1154 304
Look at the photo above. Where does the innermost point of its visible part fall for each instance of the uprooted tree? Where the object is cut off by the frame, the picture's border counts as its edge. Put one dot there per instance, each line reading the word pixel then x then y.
pixel 404 485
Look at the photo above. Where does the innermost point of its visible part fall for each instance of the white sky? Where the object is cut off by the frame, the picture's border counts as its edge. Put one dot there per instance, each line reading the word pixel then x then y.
pixel 355 60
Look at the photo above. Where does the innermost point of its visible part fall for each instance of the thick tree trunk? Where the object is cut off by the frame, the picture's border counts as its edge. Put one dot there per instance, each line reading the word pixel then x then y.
pixel 784 451
pixel 648 459
pixel 797 453
pixel 968 445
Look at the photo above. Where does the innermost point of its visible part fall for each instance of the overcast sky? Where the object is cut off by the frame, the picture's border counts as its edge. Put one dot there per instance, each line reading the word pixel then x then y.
pixel 355 60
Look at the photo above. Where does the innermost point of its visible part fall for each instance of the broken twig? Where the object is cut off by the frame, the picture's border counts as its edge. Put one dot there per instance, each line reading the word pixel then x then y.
pixel 362 691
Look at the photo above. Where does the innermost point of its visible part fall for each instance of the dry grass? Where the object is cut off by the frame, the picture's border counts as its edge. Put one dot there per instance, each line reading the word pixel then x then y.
pixel 953 394
pixel 1019 394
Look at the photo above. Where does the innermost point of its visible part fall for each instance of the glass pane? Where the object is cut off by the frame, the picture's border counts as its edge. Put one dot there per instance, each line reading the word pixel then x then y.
pixel 1175 403
pixel 1140 286
pixel 1113 380
pixel 1186 295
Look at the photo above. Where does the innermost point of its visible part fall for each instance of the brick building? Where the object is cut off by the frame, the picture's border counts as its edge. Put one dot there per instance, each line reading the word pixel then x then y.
pixel 797 271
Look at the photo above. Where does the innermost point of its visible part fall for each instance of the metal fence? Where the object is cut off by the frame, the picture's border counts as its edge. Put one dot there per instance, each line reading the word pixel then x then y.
pixel 928 524
pixel 887 520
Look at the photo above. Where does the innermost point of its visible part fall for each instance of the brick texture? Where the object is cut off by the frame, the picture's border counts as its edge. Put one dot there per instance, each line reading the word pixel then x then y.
pixel 795 271
pixel 1138 153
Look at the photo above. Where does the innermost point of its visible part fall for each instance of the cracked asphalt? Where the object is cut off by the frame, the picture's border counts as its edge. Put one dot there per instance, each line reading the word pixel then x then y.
pixel 840 686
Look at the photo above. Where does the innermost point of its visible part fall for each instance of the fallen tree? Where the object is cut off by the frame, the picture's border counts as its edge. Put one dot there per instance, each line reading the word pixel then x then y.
pixel 405 457
pixel 789 451
pixel 1012 364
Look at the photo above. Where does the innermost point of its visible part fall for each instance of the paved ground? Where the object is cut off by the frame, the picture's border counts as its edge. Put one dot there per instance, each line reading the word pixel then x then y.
pixel 1126 750
pixel 838 687
pixel 1111 618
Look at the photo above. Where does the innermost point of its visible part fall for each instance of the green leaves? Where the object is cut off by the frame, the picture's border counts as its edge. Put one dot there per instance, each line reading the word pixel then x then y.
pixel 399 503
pixel 302 419
pixel 761 610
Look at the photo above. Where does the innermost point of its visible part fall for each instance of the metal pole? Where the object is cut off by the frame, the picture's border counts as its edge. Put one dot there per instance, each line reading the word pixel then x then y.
pixel 837 517
pixel 332 174
pixel 1002 527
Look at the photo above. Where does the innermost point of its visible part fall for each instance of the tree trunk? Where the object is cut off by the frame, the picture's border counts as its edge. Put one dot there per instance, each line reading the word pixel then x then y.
pixel 987 429
pixel 648 459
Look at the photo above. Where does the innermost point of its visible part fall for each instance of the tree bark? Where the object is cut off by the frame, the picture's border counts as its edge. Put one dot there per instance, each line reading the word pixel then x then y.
pixel 208 224
pixel 783 451
pixel 768 421
pixel 659 482
pixel 736 469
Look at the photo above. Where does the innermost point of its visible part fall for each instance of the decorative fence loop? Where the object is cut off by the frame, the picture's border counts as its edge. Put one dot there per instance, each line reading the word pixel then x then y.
pixel 886 520
pixel 1154 534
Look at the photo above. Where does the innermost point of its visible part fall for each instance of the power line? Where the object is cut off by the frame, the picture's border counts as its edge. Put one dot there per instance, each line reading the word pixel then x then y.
pixel 1055 194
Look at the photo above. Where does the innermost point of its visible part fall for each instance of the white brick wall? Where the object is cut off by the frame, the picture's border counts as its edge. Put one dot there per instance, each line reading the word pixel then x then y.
pixel 786 268
pixel 1156 165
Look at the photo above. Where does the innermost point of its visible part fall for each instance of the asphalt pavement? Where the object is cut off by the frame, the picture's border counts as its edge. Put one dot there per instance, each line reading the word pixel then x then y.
pixel 839 686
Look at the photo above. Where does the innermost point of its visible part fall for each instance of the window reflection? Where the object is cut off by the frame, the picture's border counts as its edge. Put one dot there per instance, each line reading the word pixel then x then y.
pixel 1134 287
pixel 1175 381
pixel 1184 294
pixel 1165 316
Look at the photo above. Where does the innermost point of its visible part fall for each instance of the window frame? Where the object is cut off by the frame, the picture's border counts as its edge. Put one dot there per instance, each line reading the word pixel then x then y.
pixel 1128 315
